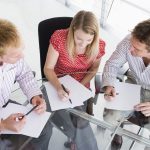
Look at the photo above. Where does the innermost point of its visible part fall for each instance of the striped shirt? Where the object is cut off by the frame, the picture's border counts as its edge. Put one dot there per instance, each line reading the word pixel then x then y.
pixel 120 56
pixel 20 72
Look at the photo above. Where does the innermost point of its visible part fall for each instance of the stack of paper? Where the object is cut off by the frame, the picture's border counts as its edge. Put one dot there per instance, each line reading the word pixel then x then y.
pixel 34 122
pixel 128 96
pixel 78 93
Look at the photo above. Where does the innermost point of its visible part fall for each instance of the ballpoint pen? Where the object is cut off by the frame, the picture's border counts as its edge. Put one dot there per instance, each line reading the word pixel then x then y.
pixel 21 117
pixel 66 92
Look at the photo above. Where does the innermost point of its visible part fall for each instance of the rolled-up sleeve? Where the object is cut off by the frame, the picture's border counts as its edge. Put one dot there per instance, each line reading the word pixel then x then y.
pixel 115 62
pixel 26 80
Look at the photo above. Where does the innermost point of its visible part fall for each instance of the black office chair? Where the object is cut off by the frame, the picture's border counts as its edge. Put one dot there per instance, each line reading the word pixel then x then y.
pixel 45 29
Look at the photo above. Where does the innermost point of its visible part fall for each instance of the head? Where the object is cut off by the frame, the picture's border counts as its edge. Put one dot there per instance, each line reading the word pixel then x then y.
pixel 83 34
pixel 10 42
pixel 140 39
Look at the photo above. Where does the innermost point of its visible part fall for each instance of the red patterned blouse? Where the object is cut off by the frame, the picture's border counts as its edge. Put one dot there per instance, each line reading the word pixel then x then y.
pixel 64 64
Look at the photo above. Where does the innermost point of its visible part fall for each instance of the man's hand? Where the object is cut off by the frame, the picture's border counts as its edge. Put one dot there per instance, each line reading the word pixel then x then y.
pixel 110 93
pixel 13 123
pixel 144 108
pixel 37 100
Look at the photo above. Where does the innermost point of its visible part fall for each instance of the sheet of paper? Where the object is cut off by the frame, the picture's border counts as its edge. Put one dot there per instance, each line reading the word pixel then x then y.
pixel 128 96
pixel 34 122
pixel 78 94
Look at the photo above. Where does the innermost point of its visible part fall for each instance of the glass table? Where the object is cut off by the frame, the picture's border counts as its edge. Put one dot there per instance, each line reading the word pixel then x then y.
pixel 84 131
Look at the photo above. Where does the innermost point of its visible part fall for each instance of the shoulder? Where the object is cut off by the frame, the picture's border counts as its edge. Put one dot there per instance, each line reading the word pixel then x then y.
pixel 126 40
pixel 59 34
pixel 102 43
pixel 125 44
pixel 101 47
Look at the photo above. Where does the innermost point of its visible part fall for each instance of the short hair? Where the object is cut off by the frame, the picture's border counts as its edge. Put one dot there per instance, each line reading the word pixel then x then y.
pixel 141 32
pixel 9 36
pixel 86 21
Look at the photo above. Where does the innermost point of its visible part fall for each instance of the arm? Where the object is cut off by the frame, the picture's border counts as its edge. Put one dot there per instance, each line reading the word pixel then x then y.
pixel 92 72
pixel 144 108
pixel 112 66
pixel 26 80
pixel 51 60
pixel 29 86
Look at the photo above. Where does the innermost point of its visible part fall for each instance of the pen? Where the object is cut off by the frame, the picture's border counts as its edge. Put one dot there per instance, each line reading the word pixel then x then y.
pixel 110 94
pixel 66 92
pixel 21 117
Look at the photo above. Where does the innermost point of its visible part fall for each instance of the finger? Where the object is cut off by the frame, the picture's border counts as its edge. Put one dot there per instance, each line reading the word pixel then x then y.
pixel 41 110
pixel 143 104
pixel 146 113
pixel 107 97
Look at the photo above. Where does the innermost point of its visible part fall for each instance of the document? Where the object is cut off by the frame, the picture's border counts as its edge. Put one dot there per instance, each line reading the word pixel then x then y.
pixel 34 122
pixel 128 96
pixel 77 93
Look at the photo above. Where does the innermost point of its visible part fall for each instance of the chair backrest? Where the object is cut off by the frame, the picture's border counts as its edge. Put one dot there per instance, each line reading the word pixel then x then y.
pixel 45 29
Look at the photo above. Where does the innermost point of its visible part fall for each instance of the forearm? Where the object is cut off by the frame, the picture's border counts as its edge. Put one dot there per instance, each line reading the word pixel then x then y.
pixel 89 75
pixel 91 72
pixel 115 62
pixel 26 80
pixel 52 78
pixel 109 74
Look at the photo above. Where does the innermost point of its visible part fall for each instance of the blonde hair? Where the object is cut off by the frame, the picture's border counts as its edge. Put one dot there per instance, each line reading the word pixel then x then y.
pixel 9 36
pixel 86 21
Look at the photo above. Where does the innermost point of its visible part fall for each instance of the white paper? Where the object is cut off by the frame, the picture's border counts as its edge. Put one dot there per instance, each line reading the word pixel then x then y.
pixel 77 93
pixel 34 122
pixel 129 96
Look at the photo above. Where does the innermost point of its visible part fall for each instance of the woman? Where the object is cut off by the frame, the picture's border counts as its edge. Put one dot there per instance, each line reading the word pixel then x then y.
pixel 76 51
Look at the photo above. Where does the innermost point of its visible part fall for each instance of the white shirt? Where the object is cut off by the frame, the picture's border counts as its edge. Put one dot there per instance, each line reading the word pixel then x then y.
pixel 119 57
pixel 20 72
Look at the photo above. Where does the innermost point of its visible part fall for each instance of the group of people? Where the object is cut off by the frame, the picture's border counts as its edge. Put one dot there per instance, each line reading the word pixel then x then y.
pixel 76 51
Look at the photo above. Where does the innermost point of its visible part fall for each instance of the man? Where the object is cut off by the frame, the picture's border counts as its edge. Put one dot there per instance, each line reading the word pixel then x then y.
pixel 135 50
pixel 13 68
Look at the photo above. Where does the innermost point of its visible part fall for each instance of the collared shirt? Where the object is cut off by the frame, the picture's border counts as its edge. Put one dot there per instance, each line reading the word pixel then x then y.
pixel 120 56
pixel 20 72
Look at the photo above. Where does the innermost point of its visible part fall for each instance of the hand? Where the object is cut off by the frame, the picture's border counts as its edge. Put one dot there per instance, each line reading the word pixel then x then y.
pixel 62 94
pixel 12 123
pixel 37 100
pixel 110 93
pixel 144 108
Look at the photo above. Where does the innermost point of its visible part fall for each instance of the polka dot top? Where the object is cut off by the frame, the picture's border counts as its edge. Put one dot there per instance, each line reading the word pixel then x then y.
pixel 64 65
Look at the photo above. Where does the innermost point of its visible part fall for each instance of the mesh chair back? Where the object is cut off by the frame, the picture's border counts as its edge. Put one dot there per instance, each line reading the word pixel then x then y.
pixel 45 29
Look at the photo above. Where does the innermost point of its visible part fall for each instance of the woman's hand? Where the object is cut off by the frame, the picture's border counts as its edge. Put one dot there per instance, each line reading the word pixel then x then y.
pixel 144 108
pixel 13 123
pixel 64 96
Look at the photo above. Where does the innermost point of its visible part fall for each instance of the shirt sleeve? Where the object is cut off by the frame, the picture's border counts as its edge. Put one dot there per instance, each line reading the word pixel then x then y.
pixel 115 62
pixel 55 40
pixel 101 49
pixel 26 80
